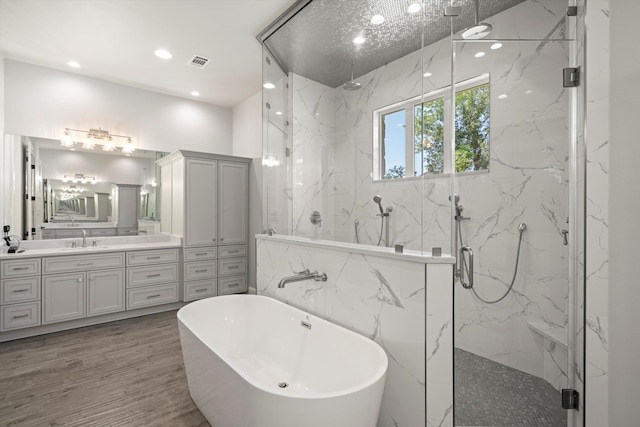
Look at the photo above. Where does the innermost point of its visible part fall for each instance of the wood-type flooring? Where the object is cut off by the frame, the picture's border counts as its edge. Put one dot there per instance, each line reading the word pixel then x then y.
pixel 124 373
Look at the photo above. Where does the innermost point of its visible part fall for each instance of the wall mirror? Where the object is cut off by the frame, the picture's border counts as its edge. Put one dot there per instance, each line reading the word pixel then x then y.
pixel 57 187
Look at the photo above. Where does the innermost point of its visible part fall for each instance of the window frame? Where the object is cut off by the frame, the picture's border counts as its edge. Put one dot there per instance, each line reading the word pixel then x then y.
pixel 408 106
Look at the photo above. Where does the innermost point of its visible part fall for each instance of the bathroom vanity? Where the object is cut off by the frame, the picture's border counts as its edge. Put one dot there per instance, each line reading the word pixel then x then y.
pixel 52 287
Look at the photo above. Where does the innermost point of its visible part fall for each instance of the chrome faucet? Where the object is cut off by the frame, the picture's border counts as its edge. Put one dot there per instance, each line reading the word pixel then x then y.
pixel 84 238
pixel 303 275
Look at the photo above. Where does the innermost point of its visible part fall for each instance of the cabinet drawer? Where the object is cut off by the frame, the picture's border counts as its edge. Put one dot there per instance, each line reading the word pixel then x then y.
pixel 231 266
pixel 151 275
pixel 152 295
pixel 232 285
pixel 195 254
pixel 200 289
pixel 102 232
pixel 127 231
pixel 22 267
pixel 82 262
pixel 48 234
pixel 20 315
pixel 199 270
pixel 231 251
pixel 22 289
pixel 68 234
pixel 152 257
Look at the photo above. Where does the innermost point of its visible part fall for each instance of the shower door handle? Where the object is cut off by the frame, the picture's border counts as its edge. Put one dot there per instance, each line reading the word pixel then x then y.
pixel 469 284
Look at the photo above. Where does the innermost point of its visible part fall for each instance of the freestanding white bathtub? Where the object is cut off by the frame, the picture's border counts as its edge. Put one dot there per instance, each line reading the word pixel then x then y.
pixel 253 361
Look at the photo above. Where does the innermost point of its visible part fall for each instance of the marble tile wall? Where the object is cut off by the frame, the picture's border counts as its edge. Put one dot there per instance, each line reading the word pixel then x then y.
pixel 597 223
pixel 527 181
pixel 383 299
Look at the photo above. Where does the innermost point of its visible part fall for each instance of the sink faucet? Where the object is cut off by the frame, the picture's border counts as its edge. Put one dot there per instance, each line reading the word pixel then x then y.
pixel 84 238
pixel 303 275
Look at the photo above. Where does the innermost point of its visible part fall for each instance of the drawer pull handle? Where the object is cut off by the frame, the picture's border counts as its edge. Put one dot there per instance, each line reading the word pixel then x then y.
pixel 15 291
pixel 20 317
pixel 233 285
pixel 201 254
pixel 201 271
pixel 84 263
pixel 200 290
pixel 233 252
pixel 153 257
pixel 153 296
pixel 233 267
pixel 20 268
pixel 153 275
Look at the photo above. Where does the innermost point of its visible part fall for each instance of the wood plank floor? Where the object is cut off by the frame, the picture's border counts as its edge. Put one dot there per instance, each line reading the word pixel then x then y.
pixel 124 373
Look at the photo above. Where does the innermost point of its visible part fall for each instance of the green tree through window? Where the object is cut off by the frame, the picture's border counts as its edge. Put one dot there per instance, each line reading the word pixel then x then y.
pixel 425 140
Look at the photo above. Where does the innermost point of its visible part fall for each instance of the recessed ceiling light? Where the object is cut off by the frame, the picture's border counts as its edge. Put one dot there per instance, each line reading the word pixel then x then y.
pixel 427 74
pixel 73 64
pixel 279 113
pixel 496 46
pixel 377 19
pixel 195 93
pixel 414 8
pixel 164 54
pixel 528 92
pixel 359 40
pixel 268 85
pixel 479 54
pixel 503 96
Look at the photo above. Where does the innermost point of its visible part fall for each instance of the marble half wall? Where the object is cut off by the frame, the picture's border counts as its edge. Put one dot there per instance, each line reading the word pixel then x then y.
pixel 382 296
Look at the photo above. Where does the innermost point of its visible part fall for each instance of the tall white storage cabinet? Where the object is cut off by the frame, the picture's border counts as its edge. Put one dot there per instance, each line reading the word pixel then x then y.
pixel 205 200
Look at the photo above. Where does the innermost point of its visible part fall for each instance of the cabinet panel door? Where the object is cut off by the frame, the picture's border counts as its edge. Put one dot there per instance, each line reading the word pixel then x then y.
pixel 63 297
pixel 105 292
pixel 234 203
pixel 201 215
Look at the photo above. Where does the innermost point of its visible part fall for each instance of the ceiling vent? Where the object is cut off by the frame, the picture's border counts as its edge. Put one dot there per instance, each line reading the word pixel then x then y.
pixel 198 61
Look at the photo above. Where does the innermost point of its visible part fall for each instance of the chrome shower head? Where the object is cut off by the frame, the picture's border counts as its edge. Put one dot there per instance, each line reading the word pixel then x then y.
pixel 377 199
pixel 352 85
pixel 477 31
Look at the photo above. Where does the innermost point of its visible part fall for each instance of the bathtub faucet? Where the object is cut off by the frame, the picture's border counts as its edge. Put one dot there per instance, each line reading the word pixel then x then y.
pixel 303 275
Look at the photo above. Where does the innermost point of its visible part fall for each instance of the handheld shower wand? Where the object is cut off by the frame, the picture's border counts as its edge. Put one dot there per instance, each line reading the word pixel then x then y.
pixel 377 199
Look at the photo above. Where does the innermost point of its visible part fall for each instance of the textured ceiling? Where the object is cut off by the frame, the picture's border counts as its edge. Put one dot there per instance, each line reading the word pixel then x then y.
pixel 317 42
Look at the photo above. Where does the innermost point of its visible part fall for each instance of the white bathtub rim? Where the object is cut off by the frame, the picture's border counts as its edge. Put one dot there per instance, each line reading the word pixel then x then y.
pixel 380 373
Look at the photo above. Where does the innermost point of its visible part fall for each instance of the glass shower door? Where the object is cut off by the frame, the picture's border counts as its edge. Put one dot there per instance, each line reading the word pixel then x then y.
pixel 513 291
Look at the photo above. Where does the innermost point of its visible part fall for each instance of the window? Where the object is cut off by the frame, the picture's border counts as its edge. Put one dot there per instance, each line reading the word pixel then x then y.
pixel 420 149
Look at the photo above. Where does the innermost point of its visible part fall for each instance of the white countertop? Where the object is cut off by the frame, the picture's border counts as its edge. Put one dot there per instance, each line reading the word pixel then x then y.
pixel 77 225
pixel 58 247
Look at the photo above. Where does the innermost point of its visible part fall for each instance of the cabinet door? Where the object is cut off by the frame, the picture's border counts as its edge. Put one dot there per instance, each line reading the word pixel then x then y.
pixel 234 203
pixel 128 206
pixel 105 292
pixel 63 297
pixel 200 222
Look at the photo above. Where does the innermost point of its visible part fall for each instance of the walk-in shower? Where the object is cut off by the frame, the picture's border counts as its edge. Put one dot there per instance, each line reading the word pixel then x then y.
pixel 448 114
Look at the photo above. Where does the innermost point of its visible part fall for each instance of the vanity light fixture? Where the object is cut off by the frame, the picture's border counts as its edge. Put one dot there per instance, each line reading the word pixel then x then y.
pixel 79 178
pixel 270 161
pixel 97 137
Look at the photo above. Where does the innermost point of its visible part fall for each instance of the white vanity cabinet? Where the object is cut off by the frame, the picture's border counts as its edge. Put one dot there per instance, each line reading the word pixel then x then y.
pixel 78 286
pixel 152 278
pixel 207 200
pixel 20 294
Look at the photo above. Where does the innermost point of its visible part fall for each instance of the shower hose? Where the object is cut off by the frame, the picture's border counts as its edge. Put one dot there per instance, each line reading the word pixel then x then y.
pixel 521 229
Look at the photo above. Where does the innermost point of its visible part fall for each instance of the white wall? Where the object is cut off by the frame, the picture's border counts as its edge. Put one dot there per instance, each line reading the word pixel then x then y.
pixel 624 205
pixel 41 102
pixel 247 142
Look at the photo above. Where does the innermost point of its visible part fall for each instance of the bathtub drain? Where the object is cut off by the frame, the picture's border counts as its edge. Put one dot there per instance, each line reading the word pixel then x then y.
pixel 283 385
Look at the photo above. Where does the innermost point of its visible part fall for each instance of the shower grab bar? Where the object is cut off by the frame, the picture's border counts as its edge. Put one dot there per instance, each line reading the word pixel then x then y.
pixel 469 284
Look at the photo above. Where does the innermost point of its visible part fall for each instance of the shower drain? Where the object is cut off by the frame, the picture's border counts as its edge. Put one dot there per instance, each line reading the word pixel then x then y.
pixel 283 385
